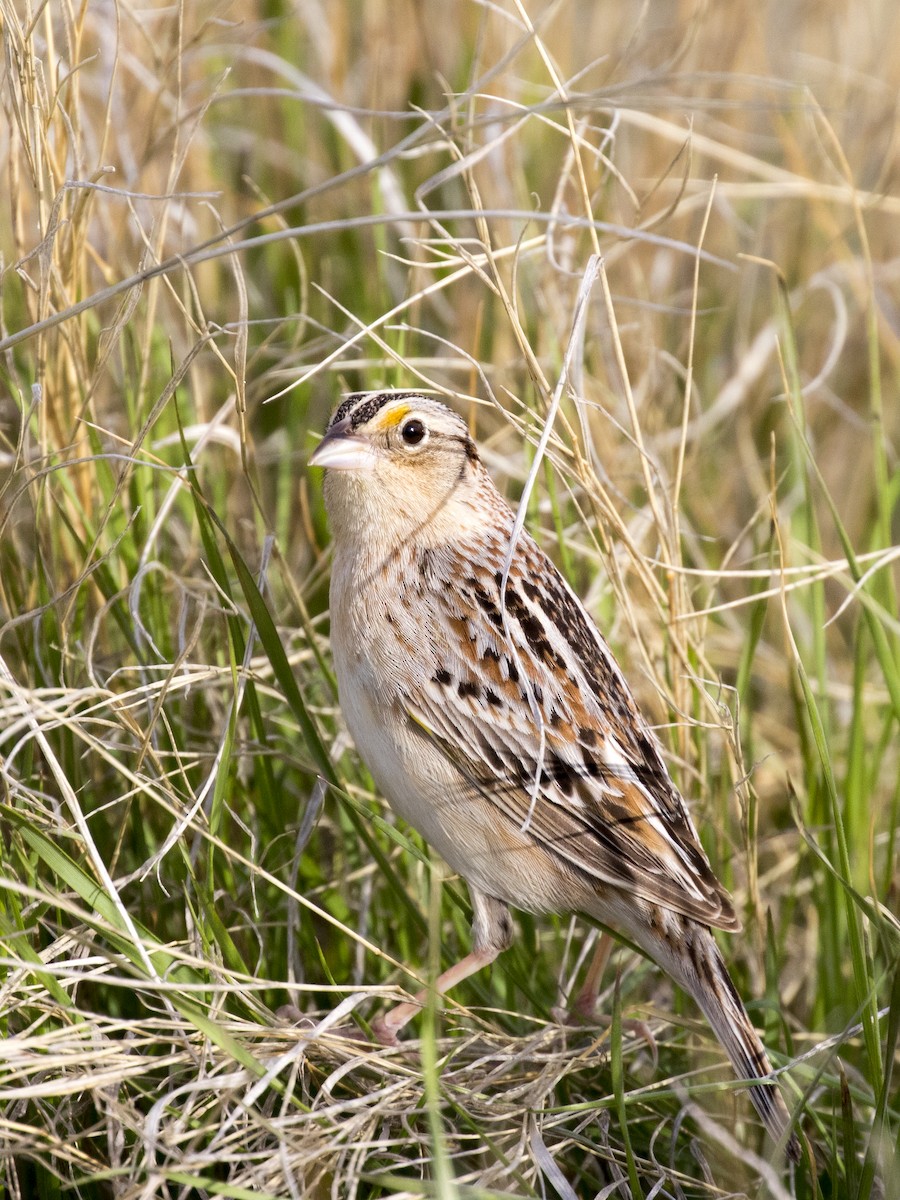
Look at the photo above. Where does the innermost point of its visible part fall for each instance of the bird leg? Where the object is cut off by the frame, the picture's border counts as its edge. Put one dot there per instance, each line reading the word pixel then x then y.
pixel 586 999
pixel 492 932
pixel 388 1026
pixel 584 1005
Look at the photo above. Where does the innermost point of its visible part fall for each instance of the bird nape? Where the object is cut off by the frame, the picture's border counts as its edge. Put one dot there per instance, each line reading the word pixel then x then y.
pixel 495 720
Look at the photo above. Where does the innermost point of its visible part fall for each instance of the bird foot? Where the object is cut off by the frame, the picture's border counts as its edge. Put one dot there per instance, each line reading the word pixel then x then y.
pixel 385 1033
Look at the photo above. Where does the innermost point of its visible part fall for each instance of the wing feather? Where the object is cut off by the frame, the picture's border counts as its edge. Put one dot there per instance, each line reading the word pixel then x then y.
pixel 543 724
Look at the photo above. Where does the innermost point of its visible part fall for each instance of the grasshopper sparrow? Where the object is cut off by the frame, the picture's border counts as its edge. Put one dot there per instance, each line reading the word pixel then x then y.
pixel 493 717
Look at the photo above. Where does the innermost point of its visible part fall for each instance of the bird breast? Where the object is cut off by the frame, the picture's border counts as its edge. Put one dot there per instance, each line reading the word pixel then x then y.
pixel 378 656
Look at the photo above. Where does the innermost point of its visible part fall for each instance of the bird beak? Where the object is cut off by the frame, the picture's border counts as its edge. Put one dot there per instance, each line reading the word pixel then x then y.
pixel 342 450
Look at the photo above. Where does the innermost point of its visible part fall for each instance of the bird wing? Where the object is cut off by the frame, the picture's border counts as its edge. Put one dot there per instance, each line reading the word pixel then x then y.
pixel 538 719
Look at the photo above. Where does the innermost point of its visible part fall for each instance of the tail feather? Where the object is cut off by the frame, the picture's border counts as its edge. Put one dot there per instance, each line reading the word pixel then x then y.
pixel 690 955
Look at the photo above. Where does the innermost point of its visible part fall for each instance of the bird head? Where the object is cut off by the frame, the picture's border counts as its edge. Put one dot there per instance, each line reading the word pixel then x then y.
pixel 398 465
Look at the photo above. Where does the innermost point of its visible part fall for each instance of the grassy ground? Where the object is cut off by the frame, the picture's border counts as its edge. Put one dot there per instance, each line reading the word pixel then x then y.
pixel 215 218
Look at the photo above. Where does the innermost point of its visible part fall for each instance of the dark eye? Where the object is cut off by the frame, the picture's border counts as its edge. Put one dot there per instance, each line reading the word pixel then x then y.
pixel 413 432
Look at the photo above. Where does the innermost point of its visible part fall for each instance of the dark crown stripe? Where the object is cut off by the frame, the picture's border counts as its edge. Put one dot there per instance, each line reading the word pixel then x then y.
pixel 364 406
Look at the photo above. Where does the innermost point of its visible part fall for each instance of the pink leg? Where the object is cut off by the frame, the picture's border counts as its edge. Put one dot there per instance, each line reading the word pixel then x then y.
pixel 585 1002
pixel 492 932
pixel 387 1027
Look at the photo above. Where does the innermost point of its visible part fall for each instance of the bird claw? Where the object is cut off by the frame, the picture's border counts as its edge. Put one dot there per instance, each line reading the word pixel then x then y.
pixel 385 1034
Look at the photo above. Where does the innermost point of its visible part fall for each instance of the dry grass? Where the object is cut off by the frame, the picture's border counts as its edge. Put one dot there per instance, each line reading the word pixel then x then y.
pixel 215 218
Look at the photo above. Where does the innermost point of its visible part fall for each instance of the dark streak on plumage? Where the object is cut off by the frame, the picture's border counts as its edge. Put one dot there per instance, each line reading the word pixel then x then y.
pixel 563 773
pixel 531 590
pixel 487 605
pixel 471 450
pixel 584 778
pixel 534 610
pixel 364 409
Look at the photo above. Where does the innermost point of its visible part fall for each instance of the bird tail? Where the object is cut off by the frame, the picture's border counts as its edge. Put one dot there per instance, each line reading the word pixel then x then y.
pixel 692 958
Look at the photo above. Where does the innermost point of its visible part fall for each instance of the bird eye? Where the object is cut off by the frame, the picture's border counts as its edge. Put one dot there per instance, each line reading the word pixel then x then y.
pixel 413 432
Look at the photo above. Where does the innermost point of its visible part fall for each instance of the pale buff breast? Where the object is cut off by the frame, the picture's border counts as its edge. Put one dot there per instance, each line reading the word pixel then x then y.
pixel 429 792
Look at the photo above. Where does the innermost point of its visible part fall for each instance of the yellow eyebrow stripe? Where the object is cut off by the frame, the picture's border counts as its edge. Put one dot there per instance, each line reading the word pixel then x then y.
pixel 394 417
